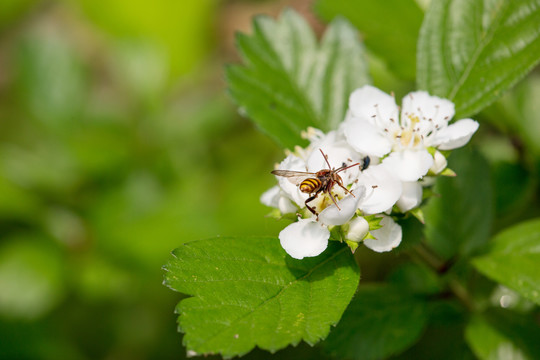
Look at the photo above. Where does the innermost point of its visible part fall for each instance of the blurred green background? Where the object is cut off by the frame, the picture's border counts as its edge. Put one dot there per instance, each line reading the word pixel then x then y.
pixel 118 142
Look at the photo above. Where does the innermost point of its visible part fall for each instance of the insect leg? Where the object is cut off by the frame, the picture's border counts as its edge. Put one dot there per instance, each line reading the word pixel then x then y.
pixel 329 189
pixel 344 188
pixel 310 199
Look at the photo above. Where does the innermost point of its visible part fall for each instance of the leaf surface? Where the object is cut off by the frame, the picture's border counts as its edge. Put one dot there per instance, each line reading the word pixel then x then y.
pixel 460 219
pixel 389 28
pixel 248 292
pixel 380 321
pixel 290 81
pixel 471 51
pixel 514 259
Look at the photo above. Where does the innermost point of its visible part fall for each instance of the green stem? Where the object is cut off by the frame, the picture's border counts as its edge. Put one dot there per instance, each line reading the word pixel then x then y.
pixel 423 254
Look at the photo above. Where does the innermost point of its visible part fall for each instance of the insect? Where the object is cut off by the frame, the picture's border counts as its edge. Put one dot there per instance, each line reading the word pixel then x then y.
pixel 365 163
pixel 314 183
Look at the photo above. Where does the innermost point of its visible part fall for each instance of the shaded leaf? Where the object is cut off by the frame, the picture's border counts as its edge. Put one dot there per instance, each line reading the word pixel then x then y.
pixel 503 335
pixel 289 82
pixel 514 259
pixel 247 292
pixel 470 51
pixel 460 219
pixel 372 19
pixel 379 322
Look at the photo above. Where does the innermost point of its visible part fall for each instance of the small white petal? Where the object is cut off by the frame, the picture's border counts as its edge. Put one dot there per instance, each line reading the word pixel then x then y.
pixel 409 165
pixel 368 101
pixel 455 135
pixel 286 206
pixel 366 138
pixel 291 190
pixel 439 163
pixel 386 238
pixel 411 196
pixel 358 229
pixel 347 207
pixel 383 189
pixel 304 238
pixel 425 107
pixel 271 197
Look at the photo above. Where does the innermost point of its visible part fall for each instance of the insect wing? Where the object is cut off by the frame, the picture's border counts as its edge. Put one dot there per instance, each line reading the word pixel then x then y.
pixel 295 177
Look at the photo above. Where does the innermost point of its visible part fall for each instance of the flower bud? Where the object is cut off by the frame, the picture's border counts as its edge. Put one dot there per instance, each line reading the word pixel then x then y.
pixel 358 229
pixel 439 163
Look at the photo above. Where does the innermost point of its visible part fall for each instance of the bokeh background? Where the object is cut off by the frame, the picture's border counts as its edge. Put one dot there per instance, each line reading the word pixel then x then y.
pixel 118 142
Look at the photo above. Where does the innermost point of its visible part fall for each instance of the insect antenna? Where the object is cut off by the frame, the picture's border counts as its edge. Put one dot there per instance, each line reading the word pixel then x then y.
pixel 346 167
pixel 326 159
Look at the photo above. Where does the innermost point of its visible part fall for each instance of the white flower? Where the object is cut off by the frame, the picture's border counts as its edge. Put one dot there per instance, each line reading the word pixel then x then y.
pixel 439 163
pixel 275 197
pixel 309 237
pixel 304 238
pixel 411 196
pixel 358 229
pixel 387 237
pixel 347 208
pixel 383 189
pixel 291 190
pixel 375 127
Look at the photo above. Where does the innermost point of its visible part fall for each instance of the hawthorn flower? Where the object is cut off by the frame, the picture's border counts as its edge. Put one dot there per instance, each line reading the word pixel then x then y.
pixel 309 237
pixel 367 191
pixel 374 126
pixel 387 237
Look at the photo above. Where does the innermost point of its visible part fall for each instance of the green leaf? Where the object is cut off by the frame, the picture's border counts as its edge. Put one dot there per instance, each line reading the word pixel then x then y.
pixel 503 335
pixel 390 28
pixel 514 259
pixel 380 321
pixel 519 112
pixel 460 219
pixel 470 51
pixel 247 292
pixel 289 82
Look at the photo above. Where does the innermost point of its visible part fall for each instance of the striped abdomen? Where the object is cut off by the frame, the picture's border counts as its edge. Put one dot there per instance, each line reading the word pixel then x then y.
pixel 310 185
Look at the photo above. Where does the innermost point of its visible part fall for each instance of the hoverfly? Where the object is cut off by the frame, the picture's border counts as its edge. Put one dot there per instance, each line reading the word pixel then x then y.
pixel 314 183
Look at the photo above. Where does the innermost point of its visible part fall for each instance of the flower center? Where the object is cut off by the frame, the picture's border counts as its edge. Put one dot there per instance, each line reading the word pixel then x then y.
pixel 406 136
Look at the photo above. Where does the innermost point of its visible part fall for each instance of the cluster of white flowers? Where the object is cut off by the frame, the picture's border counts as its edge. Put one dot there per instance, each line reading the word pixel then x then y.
pixel 402 151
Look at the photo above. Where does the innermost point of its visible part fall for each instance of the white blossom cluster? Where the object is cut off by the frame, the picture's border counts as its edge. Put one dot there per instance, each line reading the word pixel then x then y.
pixel 402 148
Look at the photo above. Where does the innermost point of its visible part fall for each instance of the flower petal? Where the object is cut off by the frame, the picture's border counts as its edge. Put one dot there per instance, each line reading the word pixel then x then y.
pixel 290 189
pixel 409 165
pixel 383 189
pixel 271 197
pixel 387 237
pixel 347 207
pixel 286 206
pixel 423 106
pixel 455 135
pixel 370 103
pixel 411 196
pixel 366 138
pixel 304 238
pixel 358 229
pixel 439 163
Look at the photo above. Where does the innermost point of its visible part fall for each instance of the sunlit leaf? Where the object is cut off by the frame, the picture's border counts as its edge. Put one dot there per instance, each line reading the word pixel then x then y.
pixel 513 260
pixel 247 292
pixel 289 81
pixel 379 322
pixel 470 51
